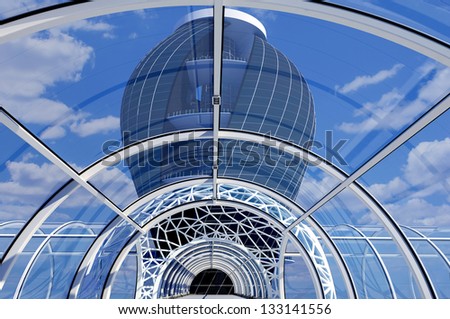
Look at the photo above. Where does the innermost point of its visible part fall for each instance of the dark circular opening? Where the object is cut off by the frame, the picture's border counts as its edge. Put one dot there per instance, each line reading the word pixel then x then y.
pixel 212 282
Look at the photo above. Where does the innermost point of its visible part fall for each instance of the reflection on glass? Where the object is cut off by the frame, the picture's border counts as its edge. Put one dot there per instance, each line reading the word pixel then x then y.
pixel 437 266
pixel 91 286
pixel 9 288
pixel 346 209
pixel 267 166
pixel 124 285
pixel 413 182
pixel 369 277
pixel 11 8
pixel 27 180
pixel 52 272
pixel 298 283
pixel 80 207
pixel 427 16
pixel 358 106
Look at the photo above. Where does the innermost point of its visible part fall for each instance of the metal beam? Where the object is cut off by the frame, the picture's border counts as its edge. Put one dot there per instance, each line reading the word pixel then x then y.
pixel 86 263
pixel 37 253
pixel 406 36
pixel 406 248
pixel 384 28
pixel 10 122
pixel 23 237
pixel 378 257
pixel 122 154
pixel 93 8
pixel 121 257
pixel 217 87
pixel 441 107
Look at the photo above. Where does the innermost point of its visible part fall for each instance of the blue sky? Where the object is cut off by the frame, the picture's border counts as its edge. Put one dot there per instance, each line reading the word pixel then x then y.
pixel 66 85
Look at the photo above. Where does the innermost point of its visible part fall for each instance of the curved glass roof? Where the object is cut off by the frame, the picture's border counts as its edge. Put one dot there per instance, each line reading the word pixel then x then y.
pixel 299 147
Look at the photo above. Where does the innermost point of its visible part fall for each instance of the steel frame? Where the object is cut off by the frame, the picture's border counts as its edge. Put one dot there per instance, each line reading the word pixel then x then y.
pixel 394 32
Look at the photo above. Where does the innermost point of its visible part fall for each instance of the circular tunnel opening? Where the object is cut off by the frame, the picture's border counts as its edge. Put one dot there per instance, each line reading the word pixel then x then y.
pixel 212 282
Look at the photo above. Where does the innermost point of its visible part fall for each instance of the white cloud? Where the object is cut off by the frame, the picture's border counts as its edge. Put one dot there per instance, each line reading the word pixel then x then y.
pixel 28 187
pixel 436 87
pixel 391 111
pixel 30 184
pixel 53 132
pixel 109 35
pixel 426 173
pixel 366 80
pixel 38 110
pixel 101 125
pixel 33 63
pixel 427 164
pixel 90 25
pixel 13 7
pixel 378 110
pixel 146 14
pixel 264 15
pixel 419 212
pixel 393 188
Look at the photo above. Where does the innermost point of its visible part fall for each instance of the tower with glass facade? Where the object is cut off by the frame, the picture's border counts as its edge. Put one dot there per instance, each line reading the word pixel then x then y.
pixel 262 91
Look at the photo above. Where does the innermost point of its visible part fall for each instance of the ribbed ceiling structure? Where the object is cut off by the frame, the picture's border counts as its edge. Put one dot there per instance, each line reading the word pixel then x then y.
pixel 291 149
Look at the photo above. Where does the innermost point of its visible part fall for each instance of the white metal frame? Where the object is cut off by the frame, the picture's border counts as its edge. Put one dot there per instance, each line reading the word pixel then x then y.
pixel 402 35
pixel 411 256
pixel 263 203
pixel 239 205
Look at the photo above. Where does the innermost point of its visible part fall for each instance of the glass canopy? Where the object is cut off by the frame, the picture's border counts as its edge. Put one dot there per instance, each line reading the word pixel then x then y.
pixel 299 150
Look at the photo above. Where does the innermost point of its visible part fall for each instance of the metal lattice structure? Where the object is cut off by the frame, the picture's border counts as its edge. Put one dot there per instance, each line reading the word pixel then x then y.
pixel 150 244
pixel 78 218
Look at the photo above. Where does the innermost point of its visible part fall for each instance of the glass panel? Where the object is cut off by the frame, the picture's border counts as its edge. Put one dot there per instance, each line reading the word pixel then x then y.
pixel 142 173
pixel 262 90
pixel 278 170
pixel 413 182
pixel 124 286
pixel 298 282
pixel 358 106
pixel 429 16
pixel 27 180
pixel 52 272
pixel 444 246
pixel 92 283
pixel 367 273
pixel 8 231
pixel 80 207
pixel 15 275
pixel 84 101
pixel 346 209
pixel 344 231
pixel 314 185
pixel 436 265
pixel 402 278
pixel 11 8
